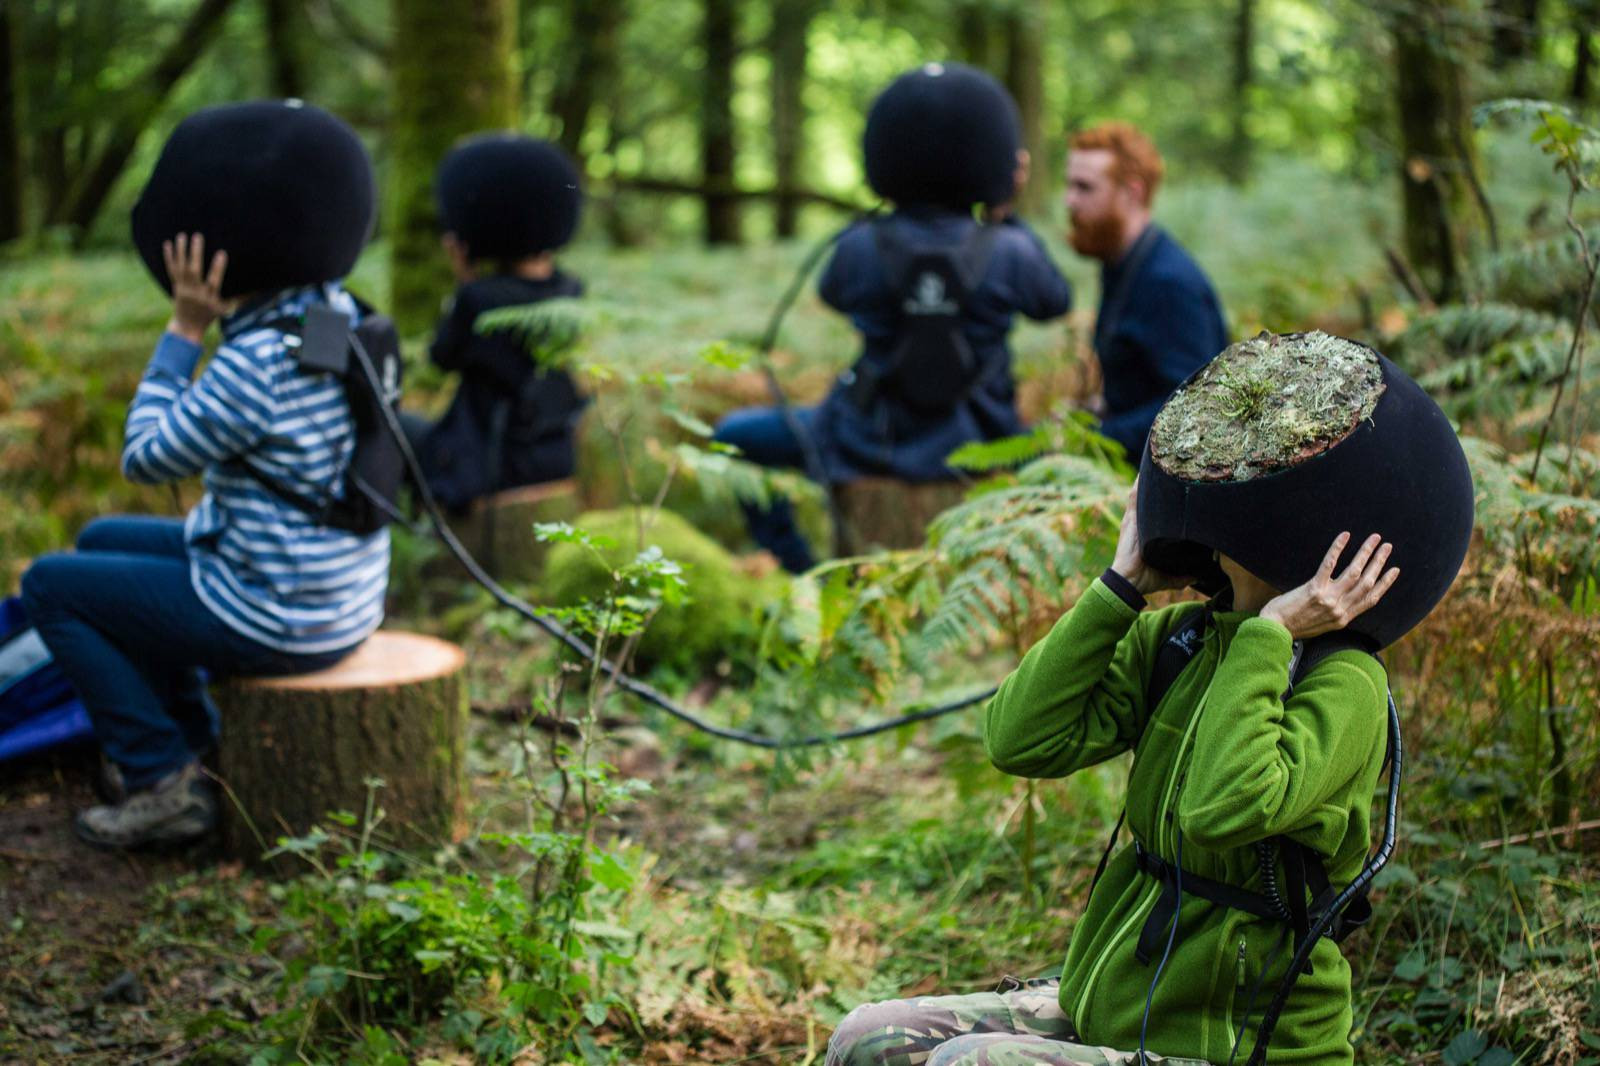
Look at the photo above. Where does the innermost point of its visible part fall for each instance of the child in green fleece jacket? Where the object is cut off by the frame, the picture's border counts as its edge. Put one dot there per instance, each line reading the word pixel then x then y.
pixel 1221 763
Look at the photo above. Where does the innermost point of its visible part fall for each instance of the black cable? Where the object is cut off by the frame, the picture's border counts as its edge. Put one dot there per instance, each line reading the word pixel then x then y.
pixel 632 686
pixel 1172 938
pixel 1255 990
pixel 1302 955
pixel 816 469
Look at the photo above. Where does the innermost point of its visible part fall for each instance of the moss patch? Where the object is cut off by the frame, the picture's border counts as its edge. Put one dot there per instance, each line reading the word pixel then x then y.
pixel 722 616
pixel 1265 404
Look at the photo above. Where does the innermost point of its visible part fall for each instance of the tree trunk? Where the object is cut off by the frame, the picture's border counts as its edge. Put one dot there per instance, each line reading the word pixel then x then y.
pixel 975 37
pixel 283 28
pixel 1025 79
pixel 141 105
pixel 10 135
pixel 1514 31
pixel 590 69
pixel 790 20
pixel 452 76
pixel 1236 165
pixel 295 748
pixel 884 513
pixel 1584 17
pixel 1437 144
pixel 717 147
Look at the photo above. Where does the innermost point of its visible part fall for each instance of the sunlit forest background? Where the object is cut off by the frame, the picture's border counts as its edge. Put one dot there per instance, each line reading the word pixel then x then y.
pixel 1416 174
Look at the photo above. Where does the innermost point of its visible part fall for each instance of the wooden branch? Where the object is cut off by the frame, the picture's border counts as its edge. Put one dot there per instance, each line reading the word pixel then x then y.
pixel 1542 834
pixel 1407 276
pixel 351 30
pixel 89 192
pixel 674 187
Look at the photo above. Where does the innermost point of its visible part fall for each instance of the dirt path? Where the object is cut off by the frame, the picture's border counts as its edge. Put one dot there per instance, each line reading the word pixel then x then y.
pixel 81 978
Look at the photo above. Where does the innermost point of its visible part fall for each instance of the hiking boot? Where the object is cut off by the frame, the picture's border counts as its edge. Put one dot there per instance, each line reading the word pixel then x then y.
pixel 177 809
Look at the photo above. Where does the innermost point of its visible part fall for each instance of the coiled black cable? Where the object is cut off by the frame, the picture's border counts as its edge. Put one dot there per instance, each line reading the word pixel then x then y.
pixel 1269 1020
pixel 1267 859
pixel 631 685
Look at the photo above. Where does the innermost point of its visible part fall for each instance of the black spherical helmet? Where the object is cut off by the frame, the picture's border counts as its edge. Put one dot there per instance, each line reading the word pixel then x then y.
pixel 1281 443
pixel 506 196
pixel 283 187
pixel 944 134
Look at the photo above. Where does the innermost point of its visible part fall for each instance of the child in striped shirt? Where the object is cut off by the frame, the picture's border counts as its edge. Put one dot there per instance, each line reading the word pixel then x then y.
pixel 248 583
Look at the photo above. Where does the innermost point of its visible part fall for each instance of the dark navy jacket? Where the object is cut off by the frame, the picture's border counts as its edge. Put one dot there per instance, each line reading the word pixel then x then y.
pixel 886 438
pixel 496 369
pixel 1152 335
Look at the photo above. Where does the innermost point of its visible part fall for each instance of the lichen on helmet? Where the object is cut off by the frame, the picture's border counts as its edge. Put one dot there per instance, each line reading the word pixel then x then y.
pixel 1265 404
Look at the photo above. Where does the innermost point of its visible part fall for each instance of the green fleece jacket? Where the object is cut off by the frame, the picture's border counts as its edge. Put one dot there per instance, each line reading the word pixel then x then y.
pixel 1224 760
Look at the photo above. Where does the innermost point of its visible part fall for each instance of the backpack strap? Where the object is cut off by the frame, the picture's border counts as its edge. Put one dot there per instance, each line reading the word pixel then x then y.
pixel 971 256
pixel 1175 653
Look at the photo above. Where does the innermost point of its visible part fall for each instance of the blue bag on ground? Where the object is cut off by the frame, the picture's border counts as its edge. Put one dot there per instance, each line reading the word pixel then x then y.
pixel 38 709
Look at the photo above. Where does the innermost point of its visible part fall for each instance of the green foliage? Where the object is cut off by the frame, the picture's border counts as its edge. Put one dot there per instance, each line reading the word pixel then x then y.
pixel 719 617
pixel 373 944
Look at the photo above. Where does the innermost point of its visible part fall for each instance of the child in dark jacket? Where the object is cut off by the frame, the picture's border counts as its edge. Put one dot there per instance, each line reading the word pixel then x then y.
pixel 248 583
pixel 938 141
pixel 509 201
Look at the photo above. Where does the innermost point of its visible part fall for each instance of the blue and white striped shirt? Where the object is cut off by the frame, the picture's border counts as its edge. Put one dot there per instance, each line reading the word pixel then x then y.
pixel 261 565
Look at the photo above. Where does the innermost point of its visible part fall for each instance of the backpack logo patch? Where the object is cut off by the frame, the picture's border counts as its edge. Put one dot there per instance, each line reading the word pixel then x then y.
pixel 928 297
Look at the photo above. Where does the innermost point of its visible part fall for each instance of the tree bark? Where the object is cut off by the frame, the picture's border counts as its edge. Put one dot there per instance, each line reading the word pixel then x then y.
pixel 883 513
pixel 1025 79
pixel 1585 14
pixel 790 21
pixel 1514 31
pixel 294 749
pixel 1436 138
pixel 717 139
pixel 975 35
pixel 282 24
pixel 1236 164
pixel 141 105
pixel 10 134
pixel 452 76
pixel 590 67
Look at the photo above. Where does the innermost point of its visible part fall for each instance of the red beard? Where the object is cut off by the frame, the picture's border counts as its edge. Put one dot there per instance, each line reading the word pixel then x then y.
pixel 1100 238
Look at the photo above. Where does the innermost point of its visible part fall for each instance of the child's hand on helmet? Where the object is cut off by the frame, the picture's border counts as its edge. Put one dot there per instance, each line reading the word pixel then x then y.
pixel 1326 603
pixel 196 292
pixel 1129 560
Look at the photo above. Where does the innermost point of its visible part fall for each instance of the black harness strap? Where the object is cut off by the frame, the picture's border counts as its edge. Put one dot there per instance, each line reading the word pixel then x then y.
pixel 1307 892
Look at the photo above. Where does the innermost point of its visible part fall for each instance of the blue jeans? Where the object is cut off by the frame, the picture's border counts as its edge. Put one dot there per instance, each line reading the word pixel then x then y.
pixel 764 436
pixel 123 622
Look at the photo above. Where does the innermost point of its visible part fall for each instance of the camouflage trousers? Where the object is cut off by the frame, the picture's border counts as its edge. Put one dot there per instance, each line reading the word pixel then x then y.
pixel 1024 1026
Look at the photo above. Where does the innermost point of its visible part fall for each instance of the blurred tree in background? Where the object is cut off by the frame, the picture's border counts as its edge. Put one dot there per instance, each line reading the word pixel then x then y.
pixel 731 120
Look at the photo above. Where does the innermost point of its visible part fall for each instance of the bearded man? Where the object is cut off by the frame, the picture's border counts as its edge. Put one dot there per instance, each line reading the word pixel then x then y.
pixel 1159 318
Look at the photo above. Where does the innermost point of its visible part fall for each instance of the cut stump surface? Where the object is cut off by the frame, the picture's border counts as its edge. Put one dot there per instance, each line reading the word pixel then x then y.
pixel 295 748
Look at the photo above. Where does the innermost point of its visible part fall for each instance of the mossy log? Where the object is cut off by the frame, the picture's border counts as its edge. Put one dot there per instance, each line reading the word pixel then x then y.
pixel 295 748
pixel 499 529
pixel 884 513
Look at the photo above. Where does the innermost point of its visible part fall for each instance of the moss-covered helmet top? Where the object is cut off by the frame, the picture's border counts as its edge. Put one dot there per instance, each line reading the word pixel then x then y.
pixel 1283 442
pixel 944 134
pixel 1265 404
pixel 506 196
pixel 283 187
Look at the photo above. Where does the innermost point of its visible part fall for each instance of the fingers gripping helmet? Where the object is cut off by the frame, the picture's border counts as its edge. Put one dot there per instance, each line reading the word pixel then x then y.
pixel 283 187
pixel 1282 442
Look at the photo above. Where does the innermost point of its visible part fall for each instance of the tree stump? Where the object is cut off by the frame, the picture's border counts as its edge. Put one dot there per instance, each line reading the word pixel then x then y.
pixel 499 531
pixel 884 513
pixel 295 748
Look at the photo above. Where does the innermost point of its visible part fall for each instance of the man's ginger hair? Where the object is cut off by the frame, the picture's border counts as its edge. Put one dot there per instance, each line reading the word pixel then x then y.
pixel 1133 155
